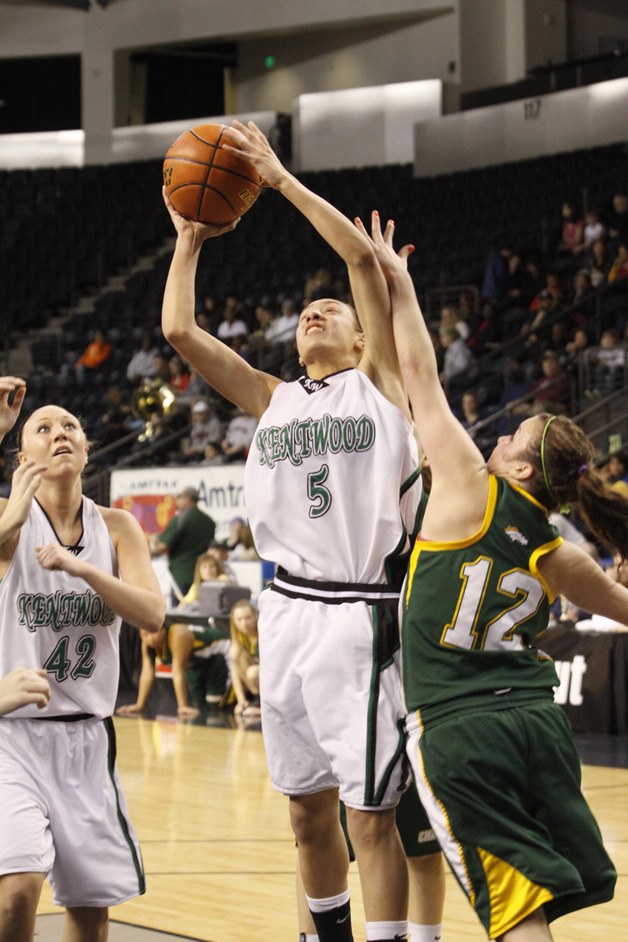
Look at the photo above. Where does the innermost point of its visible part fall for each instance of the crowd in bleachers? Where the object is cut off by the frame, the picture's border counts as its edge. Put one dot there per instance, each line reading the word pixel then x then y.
pixel 539 319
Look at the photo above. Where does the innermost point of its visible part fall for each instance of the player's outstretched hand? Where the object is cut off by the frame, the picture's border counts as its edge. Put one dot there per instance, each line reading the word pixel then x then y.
pixel 9 413
pixel 198 229
pixel 24 484
pixel 392 262
pixel 21 687
pixel 247 141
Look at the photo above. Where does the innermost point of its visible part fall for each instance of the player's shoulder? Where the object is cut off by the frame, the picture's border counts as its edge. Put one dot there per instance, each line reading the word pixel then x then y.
pixel 118 521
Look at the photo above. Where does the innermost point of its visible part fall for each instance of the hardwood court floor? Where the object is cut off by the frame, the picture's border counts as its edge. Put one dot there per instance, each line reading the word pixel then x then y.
pixel 219 853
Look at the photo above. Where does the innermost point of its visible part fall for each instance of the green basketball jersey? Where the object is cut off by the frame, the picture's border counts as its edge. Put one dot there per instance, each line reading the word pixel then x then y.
pixel 473 609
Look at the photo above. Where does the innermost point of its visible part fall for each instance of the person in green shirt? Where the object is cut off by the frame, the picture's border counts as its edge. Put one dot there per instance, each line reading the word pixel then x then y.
pixel 187 535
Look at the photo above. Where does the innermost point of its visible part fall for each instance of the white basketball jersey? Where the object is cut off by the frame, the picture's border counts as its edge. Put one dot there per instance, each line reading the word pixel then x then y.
pixel 55 621
pixel 332 484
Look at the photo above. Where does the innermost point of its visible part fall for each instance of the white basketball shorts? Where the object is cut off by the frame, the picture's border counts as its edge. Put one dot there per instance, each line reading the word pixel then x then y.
pixel 63 813
pixel 331 695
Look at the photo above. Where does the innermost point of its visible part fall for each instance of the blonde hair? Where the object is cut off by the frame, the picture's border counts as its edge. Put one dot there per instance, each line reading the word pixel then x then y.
pixel 240 637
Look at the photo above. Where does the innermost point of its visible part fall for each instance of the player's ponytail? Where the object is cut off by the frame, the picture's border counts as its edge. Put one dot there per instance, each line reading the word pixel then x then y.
pixel 565 474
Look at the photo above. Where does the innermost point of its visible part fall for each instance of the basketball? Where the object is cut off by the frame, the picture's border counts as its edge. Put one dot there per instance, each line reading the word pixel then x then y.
pixel 206 183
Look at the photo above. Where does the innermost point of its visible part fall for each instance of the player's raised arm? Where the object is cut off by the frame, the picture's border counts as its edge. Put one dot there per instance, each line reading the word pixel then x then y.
pixel 217 363
pixel 454 459
pixel 368 285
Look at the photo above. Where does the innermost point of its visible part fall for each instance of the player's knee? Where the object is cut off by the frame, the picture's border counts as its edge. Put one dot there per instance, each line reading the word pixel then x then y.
pixel 91 921
pixel 19 895
pixel 369 828
pixel 313 819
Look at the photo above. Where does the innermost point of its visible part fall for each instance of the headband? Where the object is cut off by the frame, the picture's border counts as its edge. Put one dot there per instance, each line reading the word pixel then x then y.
pixel 543 469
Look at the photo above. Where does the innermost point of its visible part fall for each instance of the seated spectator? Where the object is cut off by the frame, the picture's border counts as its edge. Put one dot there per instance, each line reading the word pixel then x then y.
pixel 450 317
pixel 284 327
pixel 318 285
pixel 571 231
pixel 196 389
pixel 212 455
pixel 487 336
pixel 495 280
pixel 142 363
pixel 619 265
pixel 117 420
pixel 599 263
pixel 610 363
pixel 231 325
pixel 205 427
pixel 161 366
pixel 545 306
pixel 614 470
pixel 244 549
pixel 244 658
pixel 238 436
pixel 208 317
pixel 617 222
pixel 179 376
pixel 220 551
pixel 551 392
pixel 458 359
pixel 471 415
pixel 594 229
pixel 95 355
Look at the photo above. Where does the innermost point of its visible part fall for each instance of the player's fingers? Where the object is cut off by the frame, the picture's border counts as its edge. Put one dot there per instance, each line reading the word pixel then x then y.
pixel 389 232
pixel 405 250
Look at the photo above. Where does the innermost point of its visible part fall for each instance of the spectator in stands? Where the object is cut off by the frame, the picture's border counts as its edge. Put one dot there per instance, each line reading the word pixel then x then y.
pixel 471 415
pixel 94 356
pixel 187 535
pixel 619 265
pixel 231 325
pixel 208 317
pixel 610 363
pixel 205 427
pixel 614 469
pixel 495 281
pixel 244 658
pixel 617 222
pixel 220 551
pixel 212 455
pixel 142 363
pixel 450 316
pixel 594 229
pixel 318 285
pixel 244 549
pixel 599 263
pixel 458 359
pixel 552 391
pixel 239 435
pixel 571 231
pixel 285 326
pixel 117 420
pixel 488 334
pixel 545 306
pixel 161 365
pixel 581 299
pixel 179 376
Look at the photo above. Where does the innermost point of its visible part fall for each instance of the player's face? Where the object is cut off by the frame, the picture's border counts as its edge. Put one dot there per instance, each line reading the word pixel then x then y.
pixel 510 449
pixel 54 437
pixel 328 326
pixel 245 621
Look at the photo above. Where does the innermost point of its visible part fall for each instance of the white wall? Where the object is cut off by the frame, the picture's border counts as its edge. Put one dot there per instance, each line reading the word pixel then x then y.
pixel 362 127
pixel 523 129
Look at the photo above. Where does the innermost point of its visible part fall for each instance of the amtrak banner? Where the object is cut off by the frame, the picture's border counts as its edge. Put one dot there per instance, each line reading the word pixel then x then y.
pixel 148 493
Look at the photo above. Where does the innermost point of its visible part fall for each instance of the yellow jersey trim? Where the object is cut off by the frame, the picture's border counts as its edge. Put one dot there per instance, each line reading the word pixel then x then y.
pixel 437 547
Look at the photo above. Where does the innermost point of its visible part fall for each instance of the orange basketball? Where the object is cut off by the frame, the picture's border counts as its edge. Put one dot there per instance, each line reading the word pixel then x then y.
pixel 206 183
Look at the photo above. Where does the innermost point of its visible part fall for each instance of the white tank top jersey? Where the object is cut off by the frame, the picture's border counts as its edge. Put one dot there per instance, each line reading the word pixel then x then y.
pixel 55 621
pixel 332 484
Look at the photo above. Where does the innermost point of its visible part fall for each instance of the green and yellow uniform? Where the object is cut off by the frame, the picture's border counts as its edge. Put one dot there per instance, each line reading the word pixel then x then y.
pixel 492 754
